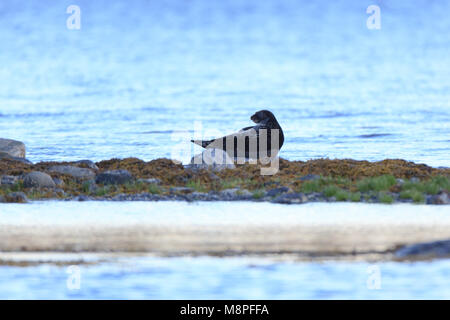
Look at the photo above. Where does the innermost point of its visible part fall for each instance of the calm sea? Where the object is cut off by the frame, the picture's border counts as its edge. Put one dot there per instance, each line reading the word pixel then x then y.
pixel 138 73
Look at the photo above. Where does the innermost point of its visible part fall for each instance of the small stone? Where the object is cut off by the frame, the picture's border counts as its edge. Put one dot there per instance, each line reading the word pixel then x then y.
pixel 277 191
pixel 38 179
pixel 291 198
pixel 150 181
pixel 76 172
pixel 12 147
pixel 88 163
pixel 58 182
pixel 229 193
pixel 414 180
pixel 81 198
pixel 114 177
pixel 432 249
pixel 16 197
pixel 400 182
pixel 8 180
pixel 442 197
pixel 310 177
pixel 183 190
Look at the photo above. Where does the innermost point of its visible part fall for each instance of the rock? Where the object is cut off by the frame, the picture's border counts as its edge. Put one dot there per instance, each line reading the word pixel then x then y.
pixel 114 177
pixel 442 197
pixel 88 163
pixel 12 147
pixel 150 181
pixel 58 182
pixel 229 193
pixel 82 198
pixel 400 182
pixel 235 194
pixel 434 249
pixel 4 155
pixel 290 198
pixel 277 191
pixel 38 179
pixel 213 159
pixel 310 177
pixel 181 190
pixel 76 172
pixel 16 197
pixel 414 180
pixel 2 199
pixel 8 180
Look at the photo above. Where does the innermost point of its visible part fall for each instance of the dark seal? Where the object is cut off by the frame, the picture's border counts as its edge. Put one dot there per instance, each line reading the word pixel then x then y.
pixel 249 142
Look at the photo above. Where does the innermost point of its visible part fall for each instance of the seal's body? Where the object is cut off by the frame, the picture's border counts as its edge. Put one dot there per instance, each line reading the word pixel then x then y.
pixel 264 140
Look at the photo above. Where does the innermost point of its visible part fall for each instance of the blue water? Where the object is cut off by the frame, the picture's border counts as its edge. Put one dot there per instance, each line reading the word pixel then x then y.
pixel 140 73
pixel 137 72
pixel 228 278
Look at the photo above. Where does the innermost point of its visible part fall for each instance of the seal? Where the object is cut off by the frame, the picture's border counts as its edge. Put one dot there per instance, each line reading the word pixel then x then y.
pixel 254 142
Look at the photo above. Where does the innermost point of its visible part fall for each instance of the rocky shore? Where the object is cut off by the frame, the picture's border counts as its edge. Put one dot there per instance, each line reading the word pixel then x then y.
pixel 321 180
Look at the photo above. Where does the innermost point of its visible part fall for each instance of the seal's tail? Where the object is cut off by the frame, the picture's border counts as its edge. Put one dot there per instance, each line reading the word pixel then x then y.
pixel 203 143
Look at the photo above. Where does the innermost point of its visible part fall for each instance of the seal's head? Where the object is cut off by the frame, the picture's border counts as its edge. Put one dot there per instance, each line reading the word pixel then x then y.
pixel 263 115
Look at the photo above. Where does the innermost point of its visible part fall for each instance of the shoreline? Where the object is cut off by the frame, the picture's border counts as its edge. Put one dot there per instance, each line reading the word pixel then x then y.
pixel 296 182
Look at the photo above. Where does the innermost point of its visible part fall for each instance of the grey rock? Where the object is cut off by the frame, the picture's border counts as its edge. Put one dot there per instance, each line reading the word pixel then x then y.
pixel 400 182
pixel 414 180
pixel 2 199
pixel 4 155
pixel 38 179
pixel 436 249
pixel 211 159
pixel 16 197
pixel 76 172
pixel 291 198
pixel 88 163
pixel 8 180
pixel 58 182
pixel 181 190
pixel 114 177
pixel 310 177
pixel 229 193
pixel 442 197
pixel 150 181
pixel 235 194
pixel 13 147
pixel 82 198
pixel 277 191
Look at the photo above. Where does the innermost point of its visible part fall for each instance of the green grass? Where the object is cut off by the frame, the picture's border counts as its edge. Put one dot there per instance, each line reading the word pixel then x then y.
pixel 412 194
pixel 342 195
pixel 385 198
pixel 319 185
pixel 154 188
pixel 102 191
pixel 381 183
pixel 258 194
pixel 431 186
pixel 197 186
pixel 330 191
pixel 355 196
